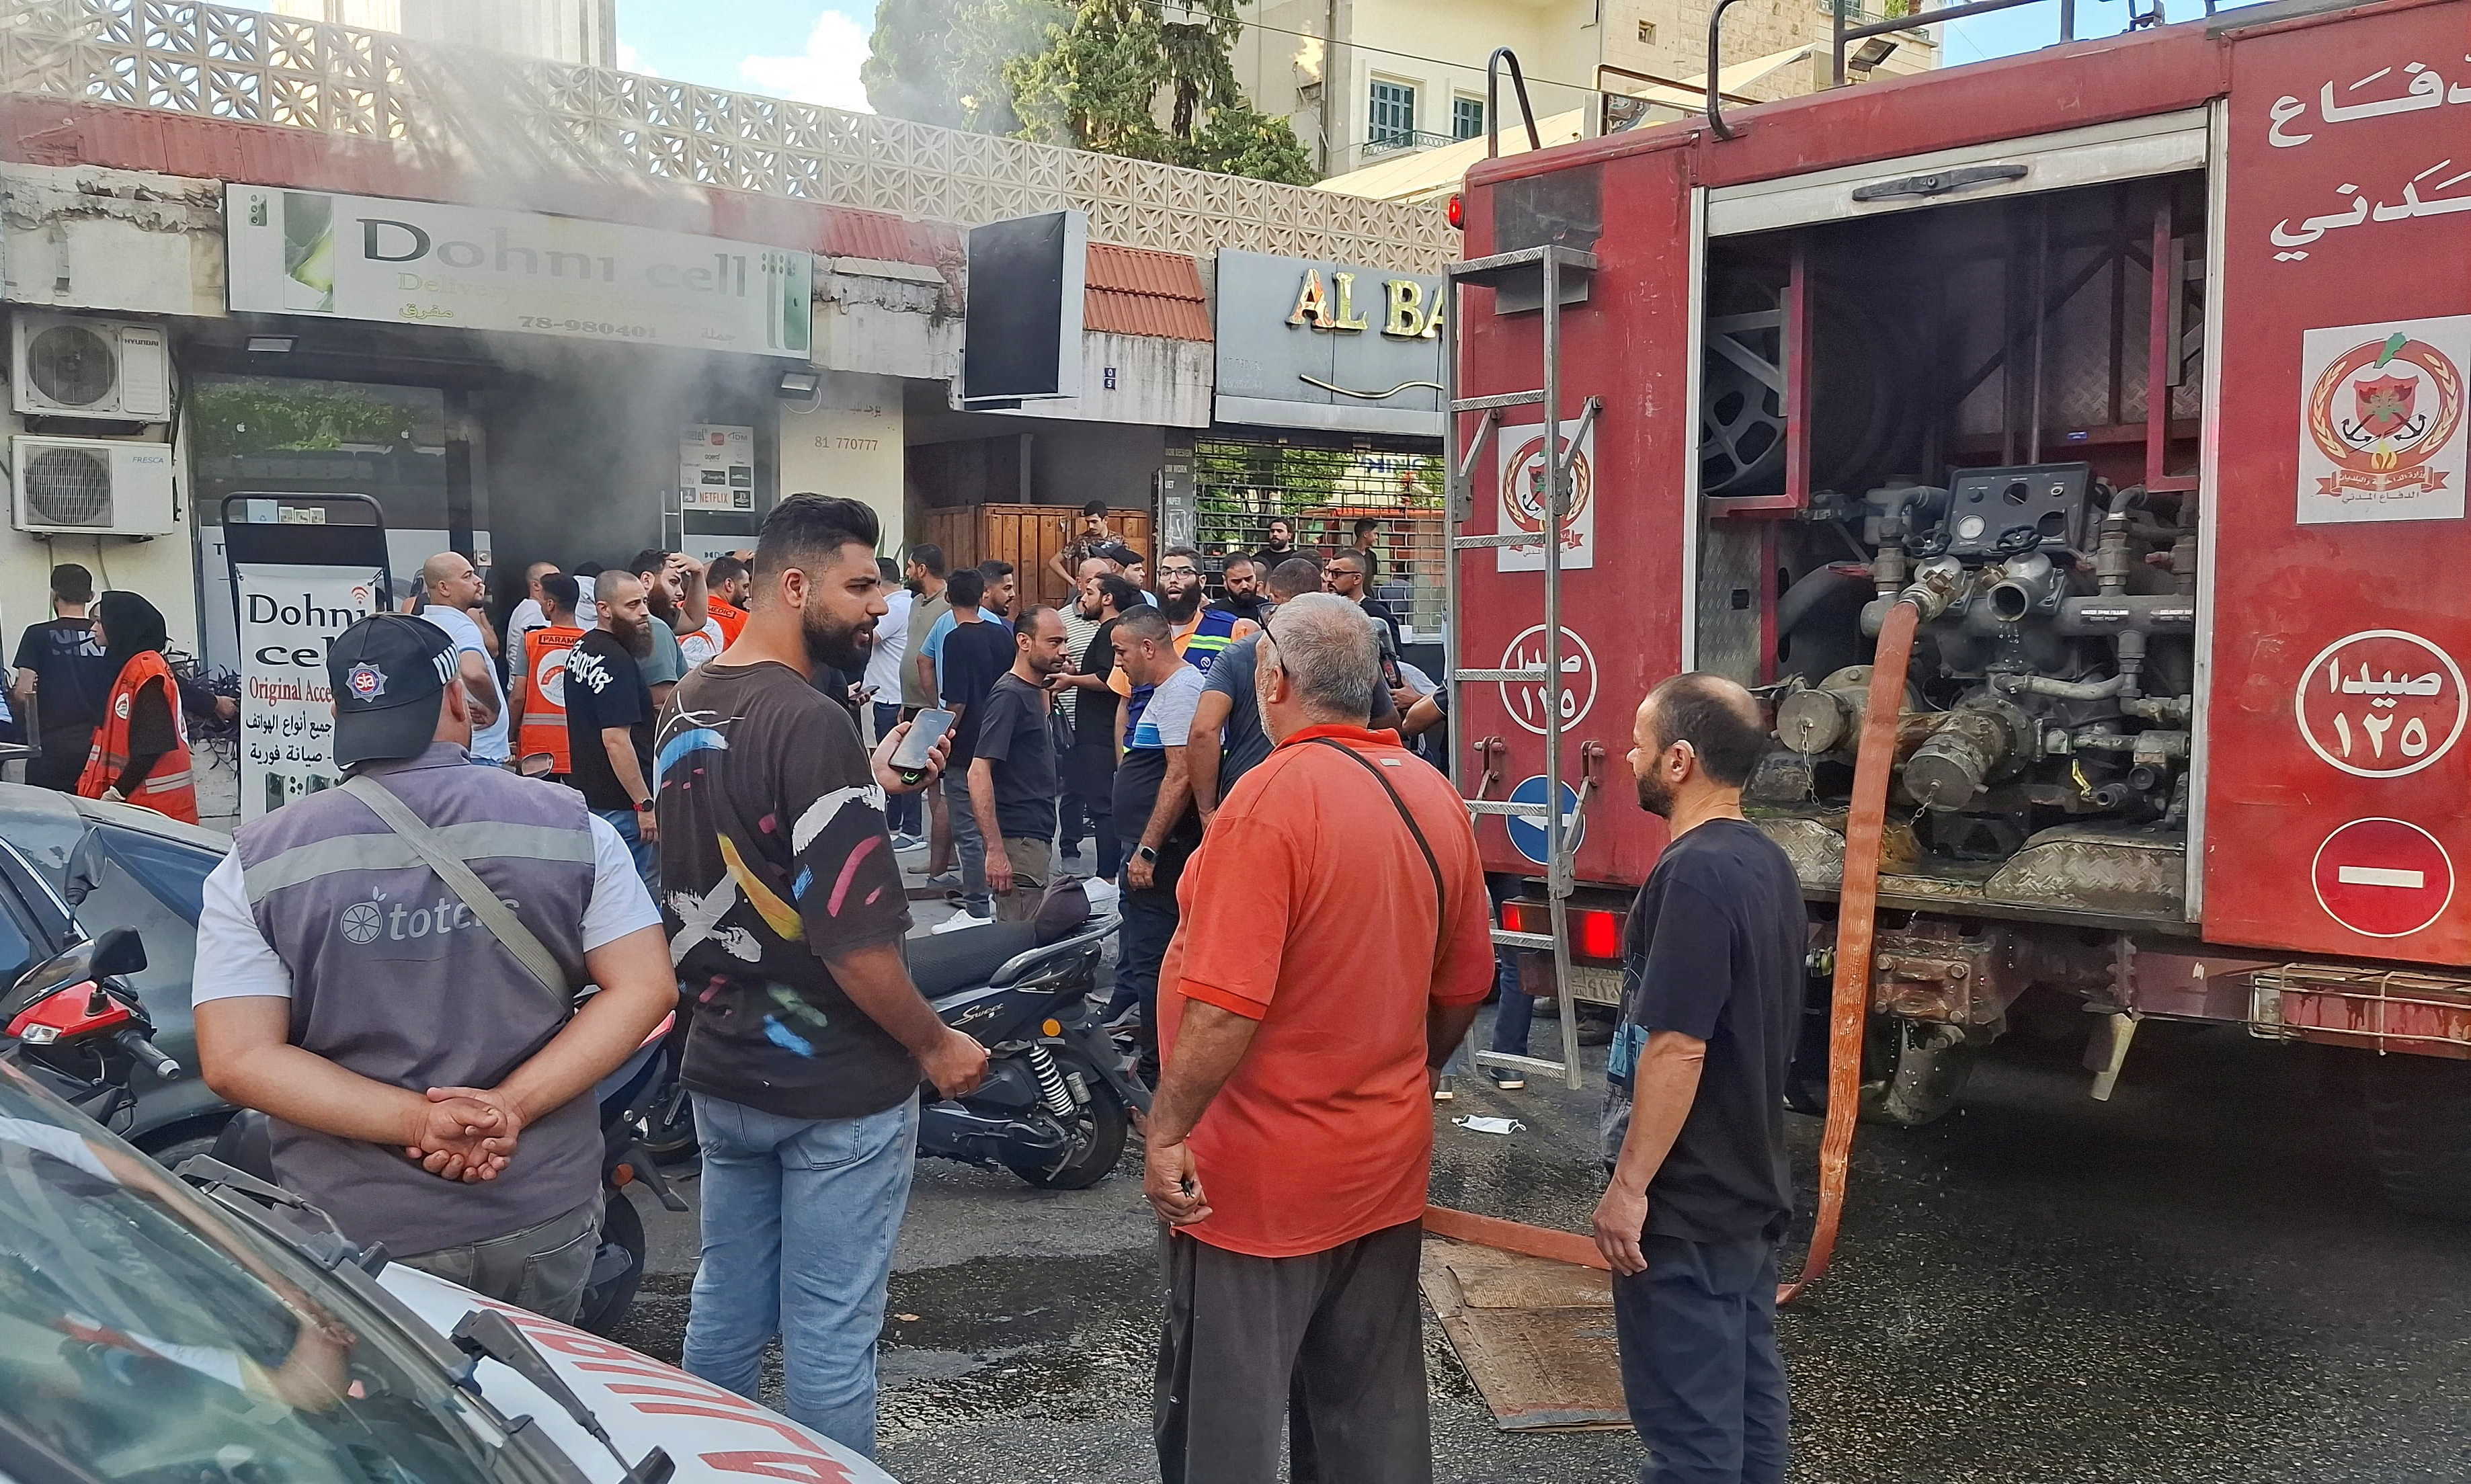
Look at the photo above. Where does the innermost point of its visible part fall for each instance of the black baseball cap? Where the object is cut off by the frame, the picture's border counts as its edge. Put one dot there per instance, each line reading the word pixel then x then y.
pixel 388 671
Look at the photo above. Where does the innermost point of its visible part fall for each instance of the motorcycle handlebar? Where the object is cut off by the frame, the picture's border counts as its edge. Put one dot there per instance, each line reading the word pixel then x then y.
pixel 148 1055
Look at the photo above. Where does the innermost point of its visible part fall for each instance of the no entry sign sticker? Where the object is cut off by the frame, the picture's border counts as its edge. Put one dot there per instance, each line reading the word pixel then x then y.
pixel 2382 877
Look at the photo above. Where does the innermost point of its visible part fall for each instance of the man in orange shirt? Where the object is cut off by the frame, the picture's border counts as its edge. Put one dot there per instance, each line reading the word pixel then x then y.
pixel 1333 954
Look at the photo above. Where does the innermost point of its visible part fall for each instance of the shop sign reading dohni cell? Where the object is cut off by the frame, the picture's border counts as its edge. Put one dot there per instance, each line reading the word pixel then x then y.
pixel 407 261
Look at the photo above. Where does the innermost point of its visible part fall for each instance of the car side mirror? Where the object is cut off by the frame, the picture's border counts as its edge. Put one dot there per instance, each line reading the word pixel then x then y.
pixel 117 952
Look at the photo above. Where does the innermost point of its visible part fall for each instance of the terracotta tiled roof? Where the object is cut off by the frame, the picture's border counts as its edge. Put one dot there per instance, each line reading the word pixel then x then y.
pixel 1135 291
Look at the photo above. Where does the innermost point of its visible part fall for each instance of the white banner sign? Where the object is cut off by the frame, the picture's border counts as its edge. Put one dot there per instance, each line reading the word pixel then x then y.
pixel 1521 503
pixel 717 467
pixel 362 257
pixel 288 616
pixel 2381 424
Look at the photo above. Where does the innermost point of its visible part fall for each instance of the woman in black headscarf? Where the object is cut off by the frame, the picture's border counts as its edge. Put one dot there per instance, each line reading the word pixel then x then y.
pixel 141 754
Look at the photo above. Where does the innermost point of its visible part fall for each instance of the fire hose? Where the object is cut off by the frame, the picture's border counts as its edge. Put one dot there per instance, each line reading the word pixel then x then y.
pixel 1857 915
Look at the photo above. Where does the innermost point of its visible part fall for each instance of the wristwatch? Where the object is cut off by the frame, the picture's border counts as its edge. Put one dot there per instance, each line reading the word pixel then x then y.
pixel 644 808
pixel 1148 853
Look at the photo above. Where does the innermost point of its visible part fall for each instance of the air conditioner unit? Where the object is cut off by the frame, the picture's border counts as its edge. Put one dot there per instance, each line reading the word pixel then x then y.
pixel 91 488
pixel 71 366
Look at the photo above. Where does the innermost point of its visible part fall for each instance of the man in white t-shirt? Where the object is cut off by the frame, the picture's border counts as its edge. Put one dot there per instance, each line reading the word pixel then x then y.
pixel 531 613
pixel 454 588
pixel 903 811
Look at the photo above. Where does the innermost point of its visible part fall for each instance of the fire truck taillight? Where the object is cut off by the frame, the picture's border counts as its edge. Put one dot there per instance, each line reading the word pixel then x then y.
pixel 1458 211
pixel 1596 935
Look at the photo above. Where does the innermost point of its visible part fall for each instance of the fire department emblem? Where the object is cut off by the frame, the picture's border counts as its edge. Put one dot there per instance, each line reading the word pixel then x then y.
pixel 1524 499
pixel 367 682
pixel 2382 423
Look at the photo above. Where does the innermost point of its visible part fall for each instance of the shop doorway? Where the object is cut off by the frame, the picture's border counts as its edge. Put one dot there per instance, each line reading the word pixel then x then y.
pixel 1241 485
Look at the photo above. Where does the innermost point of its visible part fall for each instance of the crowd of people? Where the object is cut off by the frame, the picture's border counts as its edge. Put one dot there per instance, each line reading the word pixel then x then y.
pixel 689 801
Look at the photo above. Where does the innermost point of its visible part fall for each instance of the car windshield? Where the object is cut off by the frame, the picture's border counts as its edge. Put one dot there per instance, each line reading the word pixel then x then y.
pixel 145 1338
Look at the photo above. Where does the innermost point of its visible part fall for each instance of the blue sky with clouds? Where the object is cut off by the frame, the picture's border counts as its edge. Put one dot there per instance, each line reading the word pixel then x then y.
pixel 802 49
pixel 811 49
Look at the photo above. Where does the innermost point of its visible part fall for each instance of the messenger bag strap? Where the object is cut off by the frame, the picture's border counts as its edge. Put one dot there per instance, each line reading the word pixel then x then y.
pixel 1433 862
pixel 503 925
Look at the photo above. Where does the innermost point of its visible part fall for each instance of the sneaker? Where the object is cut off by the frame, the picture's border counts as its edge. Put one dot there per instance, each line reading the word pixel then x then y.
pixel 1507 1078
pixel 1444 1090
pixel 961 920
pixel 950 880
pixel 908 842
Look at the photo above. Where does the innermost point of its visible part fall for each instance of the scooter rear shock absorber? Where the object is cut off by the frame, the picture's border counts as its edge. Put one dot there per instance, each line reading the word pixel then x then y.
pixel 1051 1089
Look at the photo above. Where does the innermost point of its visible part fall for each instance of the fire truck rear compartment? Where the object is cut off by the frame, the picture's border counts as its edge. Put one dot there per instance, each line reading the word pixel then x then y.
pixel 1959 395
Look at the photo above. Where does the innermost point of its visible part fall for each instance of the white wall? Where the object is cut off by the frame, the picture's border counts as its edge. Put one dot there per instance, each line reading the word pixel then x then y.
pixel 849 444
pixel 132 245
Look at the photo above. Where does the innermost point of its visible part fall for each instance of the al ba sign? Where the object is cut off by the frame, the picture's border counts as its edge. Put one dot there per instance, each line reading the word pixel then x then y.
pixel 1303 343
pixel 404 261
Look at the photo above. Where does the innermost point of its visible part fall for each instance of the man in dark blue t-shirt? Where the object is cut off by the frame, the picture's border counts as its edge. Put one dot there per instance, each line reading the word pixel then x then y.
pixel 974 654
pixel 1713 978
pixel 60 667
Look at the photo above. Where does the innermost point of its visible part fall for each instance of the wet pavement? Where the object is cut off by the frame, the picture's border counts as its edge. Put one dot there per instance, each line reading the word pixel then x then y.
pixel 2194 1281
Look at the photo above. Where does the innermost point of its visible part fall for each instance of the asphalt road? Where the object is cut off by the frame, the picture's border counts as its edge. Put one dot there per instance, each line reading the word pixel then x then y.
pixel 2195 1281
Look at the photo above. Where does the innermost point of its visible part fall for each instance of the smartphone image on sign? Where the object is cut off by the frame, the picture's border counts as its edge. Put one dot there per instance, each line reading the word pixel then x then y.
pixel 910 759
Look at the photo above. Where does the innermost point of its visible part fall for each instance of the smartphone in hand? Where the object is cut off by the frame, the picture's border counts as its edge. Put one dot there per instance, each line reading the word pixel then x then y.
pixel 910 760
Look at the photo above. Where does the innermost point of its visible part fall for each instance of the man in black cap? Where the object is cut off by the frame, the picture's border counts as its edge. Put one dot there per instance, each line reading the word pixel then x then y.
pixel 388 971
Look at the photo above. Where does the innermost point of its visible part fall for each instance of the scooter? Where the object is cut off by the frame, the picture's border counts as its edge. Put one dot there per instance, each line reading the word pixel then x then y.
pixel 75 1027
pixel 1058 1101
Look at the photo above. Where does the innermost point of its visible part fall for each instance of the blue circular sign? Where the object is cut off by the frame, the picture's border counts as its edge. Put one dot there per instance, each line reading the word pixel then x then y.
pixel 1527 832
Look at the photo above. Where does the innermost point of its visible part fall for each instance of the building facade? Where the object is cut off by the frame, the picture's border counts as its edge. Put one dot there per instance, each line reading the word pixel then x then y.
pixel 1367 80
pixel 291 273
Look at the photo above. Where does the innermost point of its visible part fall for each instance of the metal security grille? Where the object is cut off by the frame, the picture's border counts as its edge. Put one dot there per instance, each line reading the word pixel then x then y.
pixel 1239 487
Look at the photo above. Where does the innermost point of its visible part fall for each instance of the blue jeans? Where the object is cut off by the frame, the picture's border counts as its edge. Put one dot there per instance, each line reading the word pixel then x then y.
pixel 799 1215
pixel 648 856
pixel 1699 1361
pixel 902 813
pixel 1141 939
pixel 969 845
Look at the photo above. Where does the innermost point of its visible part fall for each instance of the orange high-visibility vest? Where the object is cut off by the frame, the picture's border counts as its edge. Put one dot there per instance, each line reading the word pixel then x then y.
pixel 169 789
pixel 545 652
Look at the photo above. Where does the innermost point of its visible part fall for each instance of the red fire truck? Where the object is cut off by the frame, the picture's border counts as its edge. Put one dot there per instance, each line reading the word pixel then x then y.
pixel 2071 449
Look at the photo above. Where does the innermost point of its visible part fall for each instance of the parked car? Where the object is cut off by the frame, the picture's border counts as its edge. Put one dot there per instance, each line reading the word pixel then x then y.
pixel 210 1328
pixel 69 869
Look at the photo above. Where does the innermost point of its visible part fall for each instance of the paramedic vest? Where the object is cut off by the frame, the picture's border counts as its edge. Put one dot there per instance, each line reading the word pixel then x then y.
pixel 167 790
pixel 1209 639
pixel 394 978
pixel 544 653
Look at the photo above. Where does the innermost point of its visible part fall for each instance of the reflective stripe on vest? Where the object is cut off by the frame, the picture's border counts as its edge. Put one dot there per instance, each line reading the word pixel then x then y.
pixel 478 840
pixel 1211 634
pixel 545 652
pixel 169 789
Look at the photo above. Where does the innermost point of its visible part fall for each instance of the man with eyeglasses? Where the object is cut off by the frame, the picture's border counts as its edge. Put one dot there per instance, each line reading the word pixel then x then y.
pixel 1198 635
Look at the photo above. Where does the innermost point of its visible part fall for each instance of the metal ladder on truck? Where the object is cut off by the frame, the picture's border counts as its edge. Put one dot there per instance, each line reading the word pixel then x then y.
pixel 1540 276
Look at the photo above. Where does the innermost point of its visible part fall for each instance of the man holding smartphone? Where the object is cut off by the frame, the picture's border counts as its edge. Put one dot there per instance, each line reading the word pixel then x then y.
pixel 787 913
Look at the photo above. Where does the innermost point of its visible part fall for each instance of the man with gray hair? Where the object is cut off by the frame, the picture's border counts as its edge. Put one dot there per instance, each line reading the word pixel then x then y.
pixel 1333 954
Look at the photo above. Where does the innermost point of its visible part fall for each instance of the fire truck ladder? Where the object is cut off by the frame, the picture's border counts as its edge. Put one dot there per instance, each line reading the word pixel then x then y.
pixel 1538 278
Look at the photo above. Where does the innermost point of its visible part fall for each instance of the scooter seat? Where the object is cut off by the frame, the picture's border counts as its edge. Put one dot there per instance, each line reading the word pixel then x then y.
pixel 941 963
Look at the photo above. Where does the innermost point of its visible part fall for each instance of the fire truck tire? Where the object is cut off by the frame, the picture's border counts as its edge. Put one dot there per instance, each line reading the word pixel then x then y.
pixel 1913 1071
pixel 2419 1133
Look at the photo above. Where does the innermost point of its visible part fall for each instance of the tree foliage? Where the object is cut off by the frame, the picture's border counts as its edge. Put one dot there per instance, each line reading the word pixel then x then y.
pixel 1149 80
pixel 941 62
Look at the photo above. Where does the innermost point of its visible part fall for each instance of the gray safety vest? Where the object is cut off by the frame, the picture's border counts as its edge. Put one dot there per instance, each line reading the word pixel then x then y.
pixel 394 978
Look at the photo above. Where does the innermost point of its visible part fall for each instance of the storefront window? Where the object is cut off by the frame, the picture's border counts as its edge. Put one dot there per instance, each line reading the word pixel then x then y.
pixel 268 435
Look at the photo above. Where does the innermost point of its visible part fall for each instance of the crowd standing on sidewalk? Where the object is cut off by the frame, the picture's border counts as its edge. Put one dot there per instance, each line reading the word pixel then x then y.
pixel 688 750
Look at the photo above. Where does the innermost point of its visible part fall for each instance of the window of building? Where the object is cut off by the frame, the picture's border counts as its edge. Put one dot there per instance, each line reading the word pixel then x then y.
pixel 1392 116
pixel 1466 118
